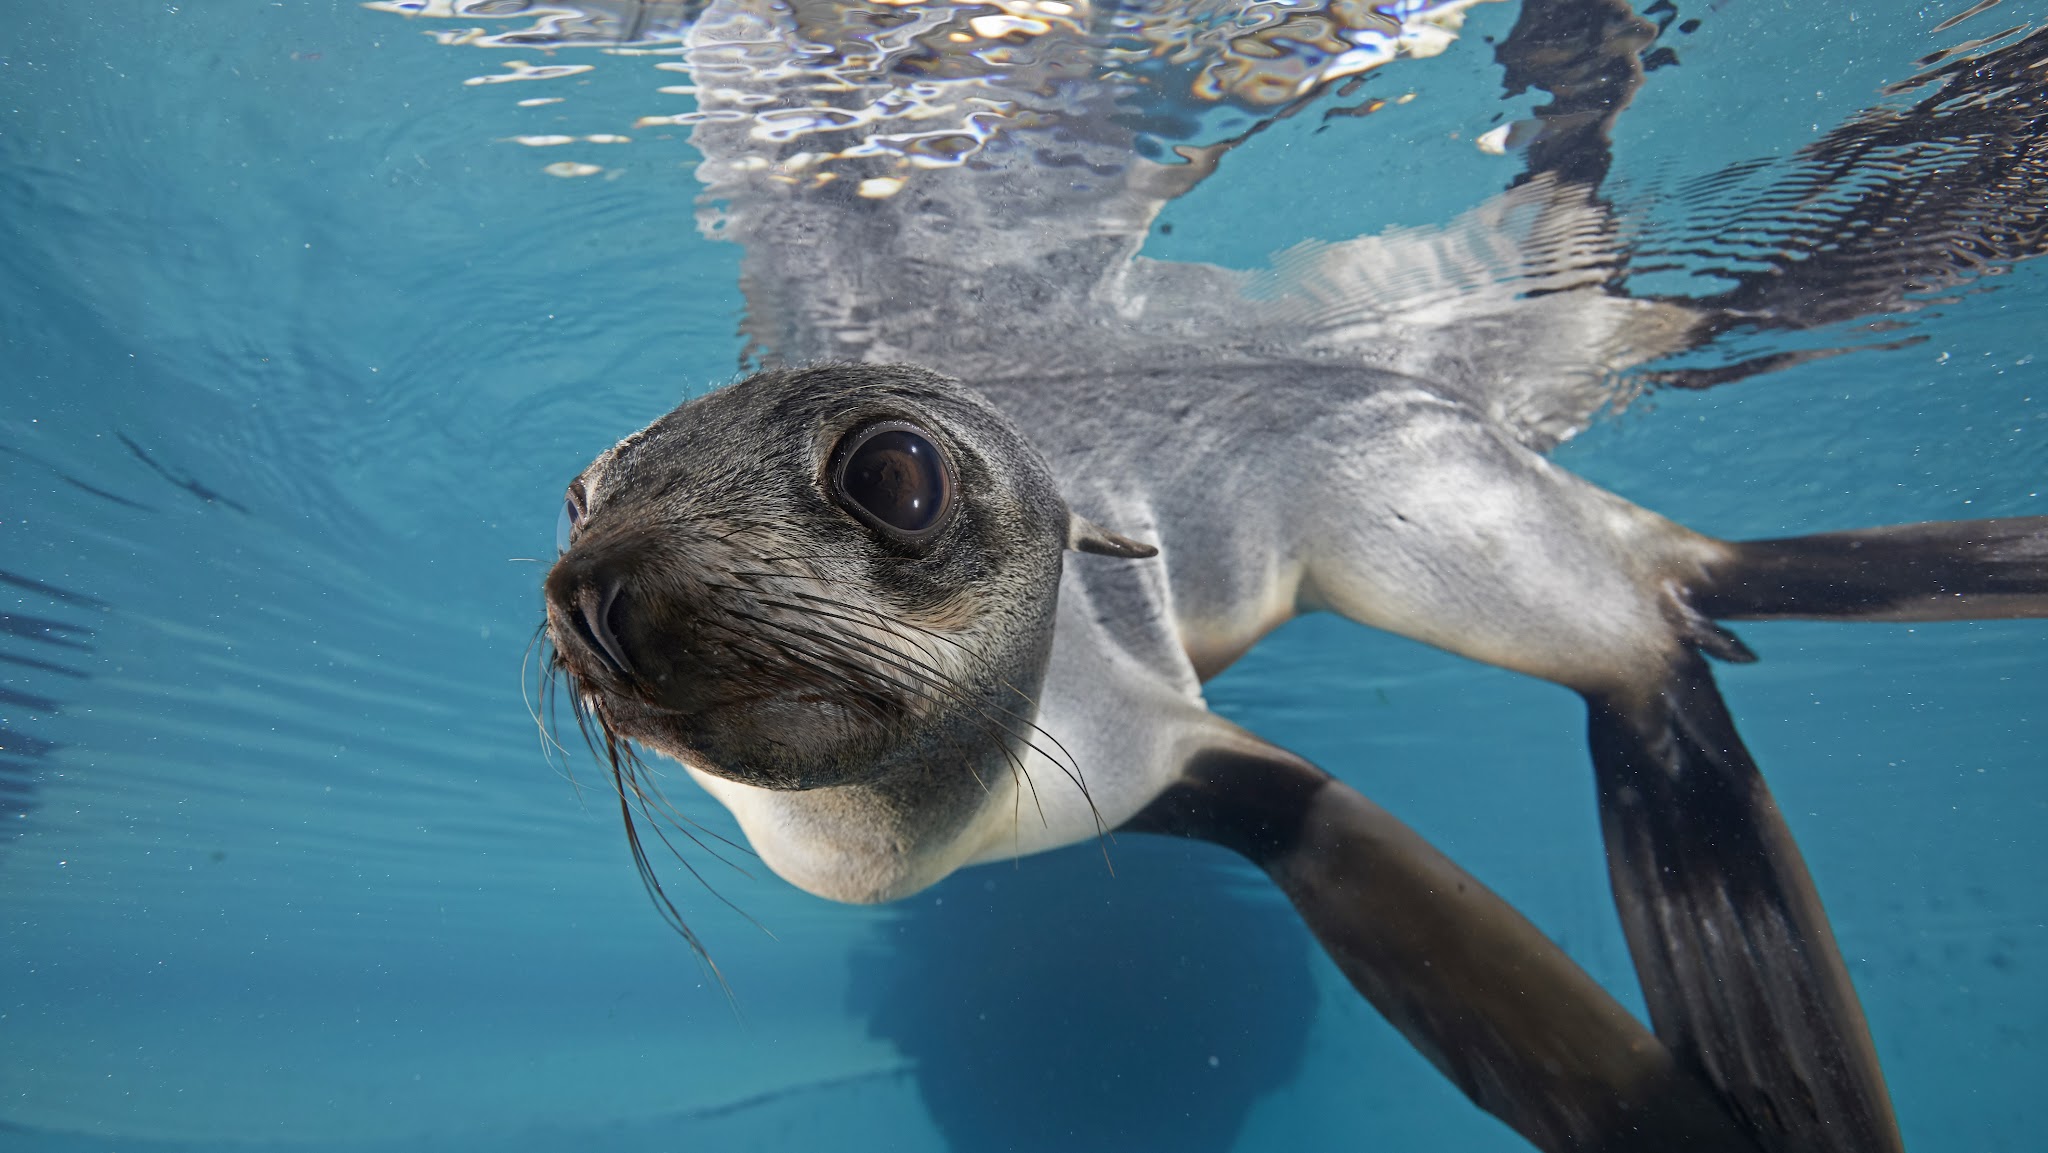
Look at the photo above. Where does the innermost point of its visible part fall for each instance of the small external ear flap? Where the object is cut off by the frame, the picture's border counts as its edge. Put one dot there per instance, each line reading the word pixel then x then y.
pixel 1084 535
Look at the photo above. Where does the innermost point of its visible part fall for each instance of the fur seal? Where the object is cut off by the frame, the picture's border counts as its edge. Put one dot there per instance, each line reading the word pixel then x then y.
pixel 947 591
pixel 838 595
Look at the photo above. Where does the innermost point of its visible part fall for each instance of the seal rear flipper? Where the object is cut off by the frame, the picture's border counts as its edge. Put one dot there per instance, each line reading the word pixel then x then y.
pixel 1940 570
pixel 1491 1001
pixel 1736 958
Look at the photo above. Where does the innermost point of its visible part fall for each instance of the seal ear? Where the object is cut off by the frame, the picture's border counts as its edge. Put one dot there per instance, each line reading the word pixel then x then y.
pixel 1084 535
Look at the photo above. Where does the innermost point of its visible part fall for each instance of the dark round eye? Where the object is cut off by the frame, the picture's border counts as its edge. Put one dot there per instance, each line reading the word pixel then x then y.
pixel 893 477
pixel 565 523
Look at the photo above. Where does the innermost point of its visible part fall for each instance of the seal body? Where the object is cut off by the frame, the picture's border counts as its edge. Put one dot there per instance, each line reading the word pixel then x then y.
pixel 1269 491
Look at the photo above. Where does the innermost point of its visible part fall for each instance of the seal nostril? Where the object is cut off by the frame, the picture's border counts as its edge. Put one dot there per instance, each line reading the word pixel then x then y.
pixel 600 615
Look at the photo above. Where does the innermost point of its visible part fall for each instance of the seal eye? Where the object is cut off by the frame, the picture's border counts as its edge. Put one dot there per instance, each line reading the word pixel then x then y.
pixel 566 523
pixel 893 477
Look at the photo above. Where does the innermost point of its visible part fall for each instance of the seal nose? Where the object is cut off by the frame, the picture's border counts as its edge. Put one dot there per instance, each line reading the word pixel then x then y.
pixel 598 611
pixel 590 609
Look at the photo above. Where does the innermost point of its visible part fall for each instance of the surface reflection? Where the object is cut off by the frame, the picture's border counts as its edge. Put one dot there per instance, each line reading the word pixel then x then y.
pixel 930 85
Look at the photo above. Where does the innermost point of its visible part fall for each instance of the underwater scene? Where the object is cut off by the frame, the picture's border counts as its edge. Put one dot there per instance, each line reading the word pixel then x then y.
pixel 339 818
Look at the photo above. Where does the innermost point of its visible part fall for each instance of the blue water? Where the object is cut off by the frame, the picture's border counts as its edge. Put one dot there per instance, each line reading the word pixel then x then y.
pixel 296 353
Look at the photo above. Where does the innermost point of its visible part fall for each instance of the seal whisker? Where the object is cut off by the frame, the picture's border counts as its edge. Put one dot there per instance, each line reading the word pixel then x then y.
pixel 641 790
pixel 543 680
pixel 752 647
pixel 647 791
pixel 847 645
pixel 880 617
pixel 1072 773
pixel 1071 767
pixel 630 777
pixel 881 705
pixel 632 788
pixel 666 907
pixel 818 556
pixel 1031 702
pixel 892 623
pixel 623 761
pixel 676 815
pixel 942 689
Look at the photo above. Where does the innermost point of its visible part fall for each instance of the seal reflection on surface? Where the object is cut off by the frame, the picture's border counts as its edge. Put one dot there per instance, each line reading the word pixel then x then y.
pixel 1058 1007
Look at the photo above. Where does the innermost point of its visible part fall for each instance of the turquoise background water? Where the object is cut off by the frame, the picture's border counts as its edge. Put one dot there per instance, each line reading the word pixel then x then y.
pixel 296 353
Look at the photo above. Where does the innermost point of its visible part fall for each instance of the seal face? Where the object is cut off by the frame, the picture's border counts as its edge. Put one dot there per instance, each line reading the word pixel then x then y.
pixel 822 577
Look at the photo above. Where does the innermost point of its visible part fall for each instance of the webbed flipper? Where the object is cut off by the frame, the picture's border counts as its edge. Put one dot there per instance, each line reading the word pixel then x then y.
pixel 1737 961
pixel 1936 571
pixel 1491 1001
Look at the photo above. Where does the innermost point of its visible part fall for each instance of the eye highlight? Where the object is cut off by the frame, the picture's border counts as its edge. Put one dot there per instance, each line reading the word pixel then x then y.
pixel 893 477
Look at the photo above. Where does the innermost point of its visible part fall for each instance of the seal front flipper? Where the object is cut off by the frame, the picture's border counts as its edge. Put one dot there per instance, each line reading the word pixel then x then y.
pixel 1737 962
pixel 1491 1001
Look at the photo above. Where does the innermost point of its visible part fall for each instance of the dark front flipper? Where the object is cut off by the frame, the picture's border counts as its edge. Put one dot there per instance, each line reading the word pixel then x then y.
pixel 1944 570
pixel 1736 958
pixel 1502 1011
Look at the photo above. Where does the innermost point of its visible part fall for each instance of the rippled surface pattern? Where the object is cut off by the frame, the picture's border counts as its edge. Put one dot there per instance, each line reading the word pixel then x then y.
pixel 310 310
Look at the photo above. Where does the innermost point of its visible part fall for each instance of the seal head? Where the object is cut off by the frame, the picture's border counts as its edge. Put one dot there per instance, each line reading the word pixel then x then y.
pixel 836 575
